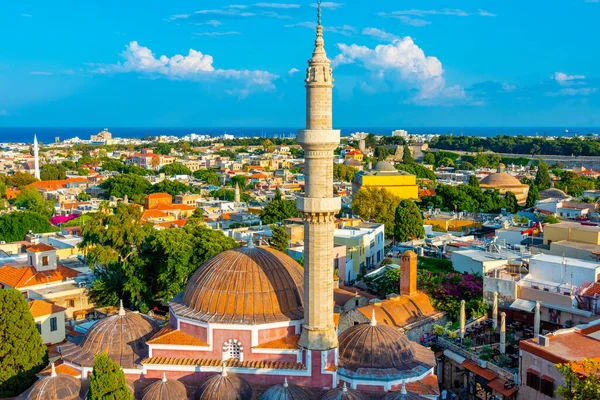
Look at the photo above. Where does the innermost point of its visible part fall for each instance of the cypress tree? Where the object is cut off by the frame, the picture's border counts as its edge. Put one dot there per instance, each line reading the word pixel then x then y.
pixel 532 196
pixel 473 181
pixel 542 177
pixel 280 239
pixel 22 352
pixel 408 223
pixel 407 157
pixel 107 381
pixel 512 204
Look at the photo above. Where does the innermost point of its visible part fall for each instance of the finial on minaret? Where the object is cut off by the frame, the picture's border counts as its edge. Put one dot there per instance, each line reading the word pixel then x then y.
pixel 319 12
pixel 224 371
pixel 53 371
pixel 344 388
pixel 285 382
pixel 403 391
pixel 164 379
pixel 373 320
pixel 121 308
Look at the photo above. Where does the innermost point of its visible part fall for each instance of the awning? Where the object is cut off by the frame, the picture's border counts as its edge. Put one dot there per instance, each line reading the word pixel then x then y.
pixel 498 386
pixel 453 356
pixel 485 373
pixel 523 305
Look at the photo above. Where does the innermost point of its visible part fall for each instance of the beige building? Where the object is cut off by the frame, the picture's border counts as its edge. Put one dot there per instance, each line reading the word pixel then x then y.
pixel 49 320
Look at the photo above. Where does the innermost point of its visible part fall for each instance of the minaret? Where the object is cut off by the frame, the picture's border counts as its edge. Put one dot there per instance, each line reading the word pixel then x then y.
pixel 36 158
pixel 318 205
pixel 236 196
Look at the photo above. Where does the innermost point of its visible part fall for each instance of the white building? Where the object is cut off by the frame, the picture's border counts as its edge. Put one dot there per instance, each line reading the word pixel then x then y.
pixel 49 320
pixel 476 261
pixel 562 270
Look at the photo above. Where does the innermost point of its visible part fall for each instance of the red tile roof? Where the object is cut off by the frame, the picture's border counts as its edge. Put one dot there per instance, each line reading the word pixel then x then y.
pixel 168 335
pixel 28 276
pixel 158 196
pixel 477 370
pixel 40 308
pixel 40 247
pixel 289 343
pixel 231 363
pixel 61 369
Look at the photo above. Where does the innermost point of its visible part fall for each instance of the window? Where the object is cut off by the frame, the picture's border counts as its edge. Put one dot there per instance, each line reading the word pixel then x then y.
pixel 235 350
pixel 533 379
pixel 372 243
pixel 30 260
pixel 356 302
pixel 547 386
pixel 45 260
pixel 38 326
pixel 70 303
pixel 53 324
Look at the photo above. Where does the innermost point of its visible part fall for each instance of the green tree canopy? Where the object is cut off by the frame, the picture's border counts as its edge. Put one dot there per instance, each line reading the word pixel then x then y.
pixel 381 153
pixel 407 156
pixel 15 225
pixel 172 187
pixel 207 175
pixel 131 185
pixel 278 210
pixel 582 380
pixel 408 222
pixel 240 180
pixel 542 177
pixel 511 203
pixel 32 200
pixel 22 352
pixel 19 179
pixel 175 169
pixel 376 204
pixel 50 172
pixel 473 181
pixel 280 239
pixel 107 381
pixel 344 173
pixel 532 196
pixel 371 140
pixel 417 169
pixel 110 164
pixel 429 158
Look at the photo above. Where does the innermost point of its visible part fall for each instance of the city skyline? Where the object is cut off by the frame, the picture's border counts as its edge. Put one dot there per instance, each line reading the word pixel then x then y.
pixel 236 64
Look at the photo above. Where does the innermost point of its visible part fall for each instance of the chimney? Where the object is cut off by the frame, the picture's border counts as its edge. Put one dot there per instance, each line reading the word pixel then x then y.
pixel 408 273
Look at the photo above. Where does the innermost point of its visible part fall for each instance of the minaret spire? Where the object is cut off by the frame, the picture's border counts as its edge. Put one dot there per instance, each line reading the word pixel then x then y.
pixel 36 158
pixel 318 204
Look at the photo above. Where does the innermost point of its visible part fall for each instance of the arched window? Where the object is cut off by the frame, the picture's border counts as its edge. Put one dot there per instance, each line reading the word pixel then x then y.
pixel 233 349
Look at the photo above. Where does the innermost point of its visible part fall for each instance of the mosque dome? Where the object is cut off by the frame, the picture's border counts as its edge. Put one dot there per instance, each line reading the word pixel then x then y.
pixel 371 346
pixel 553 193
pixel 500 179
pixel 165 389
pixel 353 163
pixel 245 285
pixel 54 387
pixel 285 391
pixel 225 386
pixel 343 393
pixel 384 166
pixel 122 336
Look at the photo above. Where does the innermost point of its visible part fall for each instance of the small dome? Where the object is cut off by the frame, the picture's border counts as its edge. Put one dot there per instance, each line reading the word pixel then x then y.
pixel 285 391
pixel 122 336
pixel 553 193
pixel 373 346
pixel 54 387
pixel 352 162
pixel 245 285
pixel 500 179
pixel 165 389
pixel 384 166
pixel 344 393
pixel 225 386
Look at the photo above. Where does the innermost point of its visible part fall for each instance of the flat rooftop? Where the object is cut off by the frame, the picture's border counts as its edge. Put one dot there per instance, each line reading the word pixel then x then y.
pixel 479 255
pixel 573 225
pixel 570 262
pixel 570 345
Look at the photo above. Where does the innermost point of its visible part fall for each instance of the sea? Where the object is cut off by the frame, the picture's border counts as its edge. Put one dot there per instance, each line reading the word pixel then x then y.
pixel 50 134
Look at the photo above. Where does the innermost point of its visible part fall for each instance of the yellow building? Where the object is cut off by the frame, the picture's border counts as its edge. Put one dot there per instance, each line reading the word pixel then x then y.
pixel 452 224
pixel 385 176
pixel 354 155
pixel 571 231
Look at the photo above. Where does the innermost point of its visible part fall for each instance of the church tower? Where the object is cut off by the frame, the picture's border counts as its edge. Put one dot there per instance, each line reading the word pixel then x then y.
pixel 318 205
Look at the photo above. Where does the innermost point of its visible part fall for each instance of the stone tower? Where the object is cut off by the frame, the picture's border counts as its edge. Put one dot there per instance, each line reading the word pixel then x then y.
pixel 318 205
pixel 236 196
pixel 36 158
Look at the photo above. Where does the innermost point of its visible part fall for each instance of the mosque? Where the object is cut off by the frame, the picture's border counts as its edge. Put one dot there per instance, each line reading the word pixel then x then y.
pixel 252 323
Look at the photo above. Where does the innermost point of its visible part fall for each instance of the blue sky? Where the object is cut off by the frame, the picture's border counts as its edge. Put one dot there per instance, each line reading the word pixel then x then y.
pixel 241 63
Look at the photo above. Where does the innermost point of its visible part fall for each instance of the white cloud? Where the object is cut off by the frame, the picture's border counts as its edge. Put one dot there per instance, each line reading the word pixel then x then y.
pixel 401 65
pixel 446 11
pixel 330 5
pixel 194 66
pixel 573 92
pixel 507 87
pixel 40 73
pixel 216 34
pixel 346 30
pixel 379 34
pixel 293 71
pixel 567 80
pixel 283 6
pixel 211 22
pixel 406 20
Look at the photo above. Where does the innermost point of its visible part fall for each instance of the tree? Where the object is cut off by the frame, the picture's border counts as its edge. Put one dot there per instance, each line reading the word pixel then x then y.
pixel 133 186
pixel 511 202
pixel 280 239
pixel 551 219
pixel 22 352
pixel 173 187
pixel 268 146
pixel 408 222
pixel 175 169
pixel 371 140
pixel 20 179
pixel 407 157
pixel 278 210
pixel 542 177
pixel 417 169
pixel 15 225
pixel 241 180
pixel 532 196
pixel 381 153
pixel 50 172
pixel 376 204
pixel 582 380
pixel 112 165
pixel 83 172
pixel 207 175
pixel 343 172
pixel 107 381
pixel 83 196
pixel 32 200
pixel 429 158
pixel 473 181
